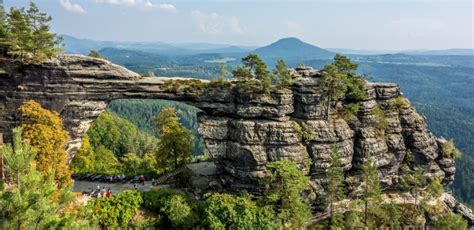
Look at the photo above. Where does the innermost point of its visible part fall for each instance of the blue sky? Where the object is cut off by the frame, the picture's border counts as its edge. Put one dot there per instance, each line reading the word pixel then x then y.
pixel 356 24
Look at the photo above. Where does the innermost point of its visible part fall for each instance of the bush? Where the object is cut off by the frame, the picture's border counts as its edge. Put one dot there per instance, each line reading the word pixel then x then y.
pixel 381 123
pixel 398 103
pixel 449 150
pixel 226 211
pixel 177 209
pixel 304 131
pixel 118 210
pixel 350 111
pixel 451 221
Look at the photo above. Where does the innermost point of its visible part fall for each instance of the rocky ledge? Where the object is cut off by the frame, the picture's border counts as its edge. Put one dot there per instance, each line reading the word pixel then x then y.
pixel 242 131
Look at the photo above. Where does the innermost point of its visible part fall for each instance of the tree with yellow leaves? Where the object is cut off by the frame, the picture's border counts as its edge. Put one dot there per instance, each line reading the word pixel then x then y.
pixel 176 142
pixel 43 130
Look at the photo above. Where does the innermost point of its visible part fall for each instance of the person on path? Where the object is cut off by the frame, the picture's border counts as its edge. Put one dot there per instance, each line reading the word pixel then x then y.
pixel 109 193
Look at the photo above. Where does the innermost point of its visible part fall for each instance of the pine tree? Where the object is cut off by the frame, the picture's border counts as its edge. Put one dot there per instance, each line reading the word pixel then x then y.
pixel 176 142
pixel 95 54
pixel 335 187
pixel 282 74
pixel 44 131
pixel 286 185
pixel 32 201
pixel 256 66
pixel 371 187
pixel 334 86
pixel 223 71
pixel 18 35
pixel 28 35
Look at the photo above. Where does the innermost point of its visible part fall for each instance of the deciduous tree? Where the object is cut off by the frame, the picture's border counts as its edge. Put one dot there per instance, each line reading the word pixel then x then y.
pixel 176 142
pixel 44 131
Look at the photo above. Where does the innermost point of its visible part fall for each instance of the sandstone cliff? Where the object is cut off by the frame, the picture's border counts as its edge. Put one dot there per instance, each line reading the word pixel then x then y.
pixel 242 131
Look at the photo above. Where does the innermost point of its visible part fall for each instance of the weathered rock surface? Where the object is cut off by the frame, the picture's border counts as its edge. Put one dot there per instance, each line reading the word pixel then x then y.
pixel 242 132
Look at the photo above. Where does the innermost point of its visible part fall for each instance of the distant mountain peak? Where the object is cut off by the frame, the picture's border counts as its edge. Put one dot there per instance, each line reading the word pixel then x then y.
pixel 292 48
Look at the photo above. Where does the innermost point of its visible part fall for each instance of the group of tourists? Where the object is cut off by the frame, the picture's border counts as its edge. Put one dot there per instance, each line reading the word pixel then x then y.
pixel 100 192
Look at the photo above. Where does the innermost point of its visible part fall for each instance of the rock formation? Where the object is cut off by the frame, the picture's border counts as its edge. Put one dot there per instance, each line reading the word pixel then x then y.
pixel 242 131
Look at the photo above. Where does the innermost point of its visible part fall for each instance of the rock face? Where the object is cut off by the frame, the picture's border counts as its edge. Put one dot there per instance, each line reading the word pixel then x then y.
pixel 242 132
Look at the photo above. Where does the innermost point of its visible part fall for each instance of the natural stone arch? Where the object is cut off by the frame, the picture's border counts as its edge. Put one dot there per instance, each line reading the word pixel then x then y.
pixel 242 131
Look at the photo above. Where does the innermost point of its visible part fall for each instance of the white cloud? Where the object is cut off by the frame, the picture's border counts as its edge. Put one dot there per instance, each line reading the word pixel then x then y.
pixel 142 4
pixel 213 23
pixel 72 7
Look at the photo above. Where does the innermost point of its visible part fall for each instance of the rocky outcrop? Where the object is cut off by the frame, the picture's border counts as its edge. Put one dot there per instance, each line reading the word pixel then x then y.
pixel 242 131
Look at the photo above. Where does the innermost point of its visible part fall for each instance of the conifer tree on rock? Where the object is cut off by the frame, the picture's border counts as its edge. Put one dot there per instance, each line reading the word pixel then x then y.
pixel 27 34
pixel 335 187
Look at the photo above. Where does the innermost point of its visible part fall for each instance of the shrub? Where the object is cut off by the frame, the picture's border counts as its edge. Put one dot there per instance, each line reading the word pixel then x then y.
pixel 381 123
pixel 451 221
pixel 118 210
pixel 176 208
pixel 226 211
pixel 304 131
pixel 398 103
pixel 349 111
pixel 449 150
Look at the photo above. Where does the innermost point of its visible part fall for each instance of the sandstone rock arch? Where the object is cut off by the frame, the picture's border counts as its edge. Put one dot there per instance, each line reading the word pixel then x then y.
pixel 243 132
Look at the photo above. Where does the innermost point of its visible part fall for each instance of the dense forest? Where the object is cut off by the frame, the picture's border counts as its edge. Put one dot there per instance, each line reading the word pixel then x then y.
pixel 141 112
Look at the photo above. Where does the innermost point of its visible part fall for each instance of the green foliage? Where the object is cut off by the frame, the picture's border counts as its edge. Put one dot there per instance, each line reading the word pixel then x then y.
pixel 413 180
pixel 82 161
pixel 372 190
pixel 463 187
pixel 149 73
pixel 282 74
pixel 286 185
pixel 335 186
pixel 226 211
pixel 398 103
pixel 256 67
pixel 176 142
pixel 435 189
pixel 177 209
pixel 349 111
pixel 381 120
pixel 304 131
pixel 141 112
pixel 352 220
pixel 449 150
pixel 120 136
pixel 131 163
pixel 105 161
pixel 340 81
pixel 253 77
pixel 95 54
pixel 26 32
pixel 451 222
pixel 32 201
pixel 223 72
pixel 116 211
pixel 344 65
